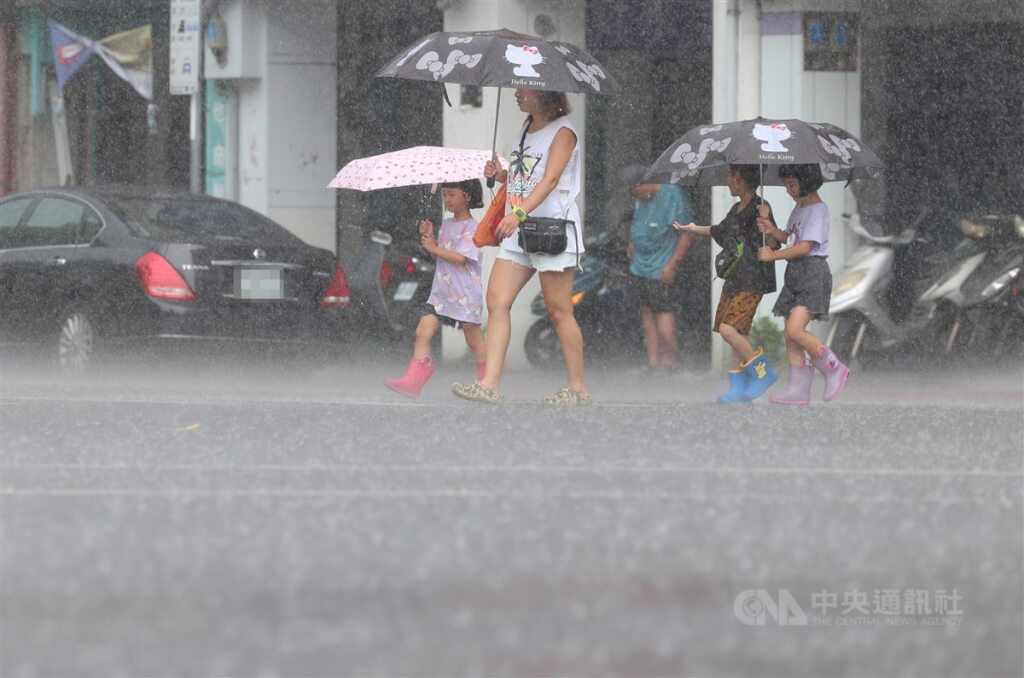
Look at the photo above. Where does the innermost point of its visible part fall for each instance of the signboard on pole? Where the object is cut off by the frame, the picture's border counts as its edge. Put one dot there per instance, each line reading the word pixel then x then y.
pixel 185 45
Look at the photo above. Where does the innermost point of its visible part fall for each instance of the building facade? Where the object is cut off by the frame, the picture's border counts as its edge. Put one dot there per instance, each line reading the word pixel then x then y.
pixel 936 87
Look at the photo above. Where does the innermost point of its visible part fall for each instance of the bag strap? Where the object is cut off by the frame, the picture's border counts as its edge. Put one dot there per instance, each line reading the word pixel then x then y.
pixel 522 139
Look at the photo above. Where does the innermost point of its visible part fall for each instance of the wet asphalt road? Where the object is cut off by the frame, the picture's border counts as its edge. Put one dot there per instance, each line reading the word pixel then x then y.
pixel 243 519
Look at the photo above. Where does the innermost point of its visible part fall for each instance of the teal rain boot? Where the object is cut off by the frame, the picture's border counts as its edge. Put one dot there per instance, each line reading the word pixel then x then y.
pixel 737 388
pixel 760 375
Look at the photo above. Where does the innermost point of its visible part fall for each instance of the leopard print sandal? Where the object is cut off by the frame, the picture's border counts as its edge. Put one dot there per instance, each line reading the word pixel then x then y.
pixel 477 392
pixel 569 397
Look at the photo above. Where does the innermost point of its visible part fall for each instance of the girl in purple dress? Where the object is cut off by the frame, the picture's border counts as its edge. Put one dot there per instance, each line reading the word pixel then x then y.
pixel 456 296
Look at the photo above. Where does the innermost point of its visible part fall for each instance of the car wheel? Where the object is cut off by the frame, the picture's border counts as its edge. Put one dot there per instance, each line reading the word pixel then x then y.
pixel 76 342
pixel 541 345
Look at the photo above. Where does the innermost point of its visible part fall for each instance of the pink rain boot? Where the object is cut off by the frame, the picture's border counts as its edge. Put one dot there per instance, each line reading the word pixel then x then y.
pixel 416 375
pixel 835 372
pixel 481 370
pixel 799 390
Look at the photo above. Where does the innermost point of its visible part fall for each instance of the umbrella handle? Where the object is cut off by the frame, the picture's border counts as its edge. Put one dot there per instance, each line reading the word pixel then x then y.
pixel 494 139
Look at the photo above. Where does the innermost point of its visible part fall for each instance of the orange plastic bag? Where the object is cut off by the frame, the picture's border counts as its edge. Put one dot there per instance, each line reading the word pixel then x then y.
pixel 484 235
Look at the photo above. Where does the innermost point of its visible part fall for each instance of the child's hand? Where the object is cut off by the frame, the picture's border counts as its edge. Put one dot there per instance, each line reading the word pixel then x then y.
pixel 428 242
pixel 764 225
pixel 426 226
pixel 684 228
pixel 765 253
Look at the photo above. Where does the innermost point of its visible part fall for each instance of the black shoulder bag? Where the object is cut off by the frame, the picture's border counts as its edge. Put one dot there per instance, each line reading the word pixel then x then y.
pixel 728 260
pixel 544 235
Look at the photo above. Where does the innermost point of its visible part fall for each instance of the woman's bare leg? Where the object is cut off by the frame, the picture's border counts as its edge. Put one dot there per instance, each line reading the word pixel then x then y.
pixel 503 286
pixel 557 289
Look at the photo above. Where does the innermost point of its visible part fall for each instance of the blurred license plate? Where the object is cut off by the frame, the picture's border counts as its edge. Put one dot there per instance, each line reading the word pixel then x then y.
pixel 405 291
pixel 258 283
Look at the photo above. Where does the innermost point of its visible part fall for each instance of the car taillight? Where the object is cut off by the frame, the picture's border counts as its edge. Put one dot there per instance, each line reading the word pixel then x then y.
pixel 337 293
pixel 160 279
pixel 410 265
pixel 387 274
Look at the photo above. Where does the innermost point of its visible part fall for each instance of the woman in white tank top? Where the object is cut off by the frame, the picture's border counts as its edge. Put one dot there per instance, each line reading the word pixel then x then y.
pixel 543 180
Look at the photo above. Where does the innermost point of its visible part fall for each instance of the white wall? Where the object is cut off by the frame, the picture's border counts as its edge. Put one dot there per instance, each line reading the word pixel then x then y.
pixel 286 111
pixel 302 83
pixel 468 127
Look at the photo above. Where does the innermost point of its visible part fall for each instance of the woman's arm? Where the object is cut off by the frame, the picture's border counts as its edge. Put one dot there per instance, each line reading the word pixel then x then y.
pixel 558 158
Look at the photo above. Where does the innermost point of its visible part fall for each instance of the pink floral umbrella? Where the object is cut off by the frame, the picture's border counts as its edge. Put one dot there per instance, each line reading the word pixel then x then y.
pixel 413 166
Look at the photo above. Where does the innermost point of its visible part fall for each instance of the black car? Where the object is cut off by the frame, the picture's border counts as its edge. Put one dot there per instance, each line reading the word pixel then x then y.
pixel 82 268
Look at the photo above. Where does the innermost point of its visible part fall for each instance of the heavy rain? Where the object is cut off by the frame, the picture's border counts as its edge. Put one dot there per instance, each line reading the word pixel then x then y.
pixel 515 337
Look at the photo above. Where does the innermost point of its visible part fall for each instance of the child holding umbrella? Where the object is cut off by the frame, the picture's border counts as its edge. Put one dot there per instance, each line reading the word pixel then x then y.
pixel 808 285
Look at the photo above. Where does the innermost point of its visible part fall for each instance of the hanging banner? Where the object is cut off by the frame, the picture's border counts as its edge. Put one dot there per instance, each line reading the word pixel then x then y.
pixel 130 55
pixel 70 51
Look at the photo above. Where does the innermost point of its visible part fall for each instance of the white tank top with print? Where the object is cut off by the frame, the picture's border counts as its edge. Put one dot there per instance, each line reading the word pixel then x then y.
pixel 526 170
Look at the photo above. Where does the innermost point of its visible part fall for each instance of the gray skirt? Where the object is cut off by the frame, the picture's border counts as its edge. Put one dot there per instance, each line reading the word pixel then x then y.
pixel 808 283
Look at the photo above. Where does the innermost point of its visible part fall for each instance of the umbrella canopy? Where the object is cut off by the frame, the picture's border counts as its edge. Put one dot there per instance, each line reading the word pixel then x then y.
pixel 501 58
pixel 701 157
pixel 411 167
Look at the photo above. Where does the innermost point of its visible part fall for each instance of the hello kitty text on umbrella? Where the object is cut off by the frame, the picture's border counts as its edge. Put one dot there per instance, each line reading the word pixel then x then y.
pixel 501 58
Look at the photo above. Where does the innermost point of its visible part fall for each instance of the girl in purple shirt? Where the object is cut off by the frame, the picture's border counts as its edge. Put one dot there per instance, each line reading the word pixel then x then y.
pixel 808 286
pixel 456 295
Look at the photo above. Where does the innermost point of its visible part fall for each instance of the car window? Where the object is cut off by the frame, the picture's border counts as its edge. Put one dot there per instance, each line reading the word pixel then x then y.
pixel 91 225
pixel 54 221
pixel 11 212
pixel 189 219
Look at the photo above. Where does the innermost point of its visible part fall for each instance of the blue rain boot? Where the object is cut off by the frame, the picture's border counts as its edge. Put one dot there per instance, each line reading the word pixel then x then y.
pixel 737 388
pixel 760 375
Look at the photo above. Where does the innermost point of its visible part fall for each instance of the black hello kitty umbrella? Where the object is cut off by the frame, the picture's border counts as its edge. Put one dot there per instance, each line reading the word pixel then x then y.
pixel 702 156
pixel 501 58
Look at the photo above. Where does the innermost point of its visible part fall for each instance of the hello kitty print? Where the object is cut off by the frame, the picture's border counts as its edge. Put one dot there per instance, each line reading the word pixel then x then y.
pixel 501 59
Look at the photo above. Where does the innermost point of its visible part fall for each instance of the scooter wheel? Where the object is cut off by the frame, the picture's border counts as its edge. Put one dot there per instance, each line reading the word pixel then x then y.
pixel 541 345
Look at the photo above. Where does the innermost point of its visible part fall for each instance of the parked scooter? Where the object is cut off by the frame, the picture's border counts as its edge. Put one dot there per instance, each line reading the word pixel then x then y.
pixel 603 304
pixel 991 322
pixel 899 293
pixel 390 283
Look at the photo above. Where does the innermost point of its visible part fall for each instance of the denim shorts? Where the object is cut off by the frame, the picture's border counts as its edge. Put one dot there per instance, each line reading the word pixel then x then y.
pixel 539 262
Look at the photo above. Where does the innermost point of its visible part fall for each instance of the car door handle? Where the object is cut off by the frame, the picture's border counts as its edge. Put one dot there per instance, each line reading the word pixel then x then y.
pixel 58 261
